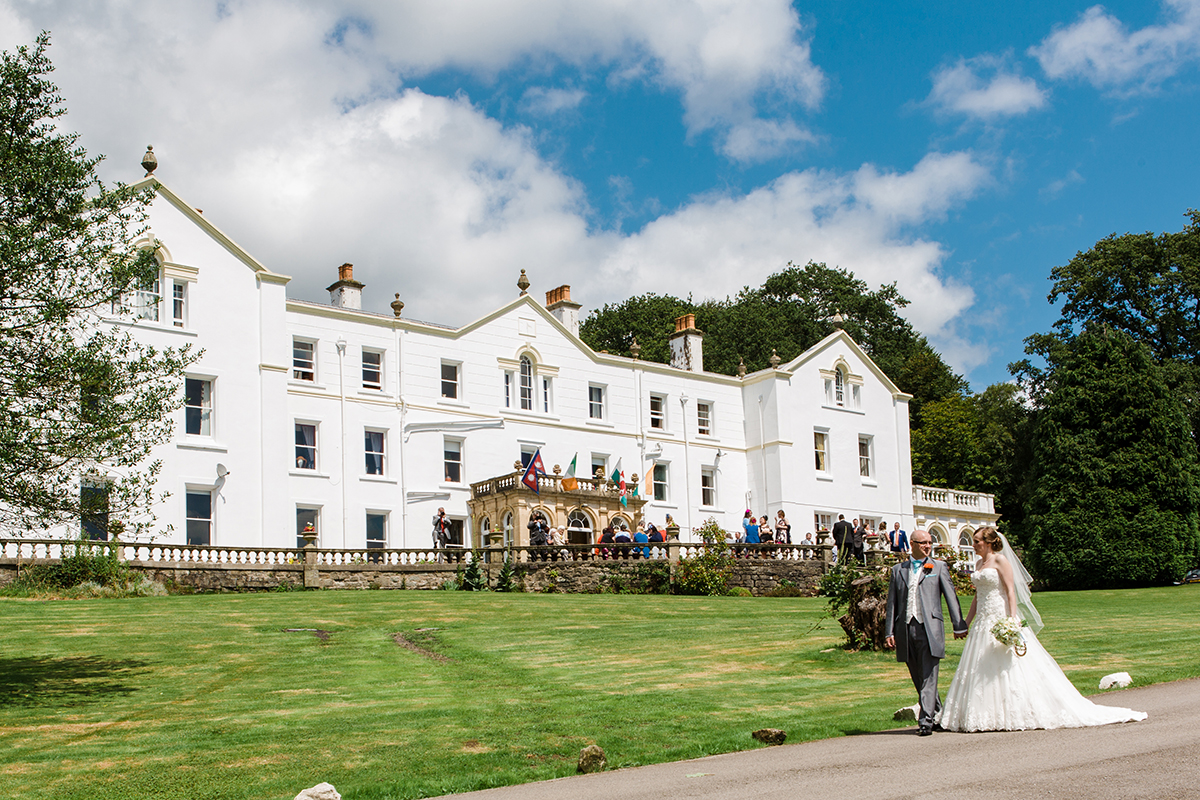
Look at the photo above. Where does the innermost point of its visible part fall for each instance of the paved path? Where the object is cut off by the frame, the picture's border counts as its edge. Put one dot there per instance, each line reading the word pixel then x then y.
pixel 1157 758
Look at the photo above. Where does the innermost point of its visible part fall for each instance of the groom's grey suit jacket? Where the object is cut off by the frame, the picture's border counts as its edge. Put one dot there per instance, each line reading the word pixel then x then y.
pixel 933 587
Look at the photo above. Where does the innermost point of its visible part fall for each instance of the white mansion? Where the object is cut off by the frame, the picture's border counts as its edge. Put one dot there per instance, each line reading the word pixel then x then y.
pixel 362 424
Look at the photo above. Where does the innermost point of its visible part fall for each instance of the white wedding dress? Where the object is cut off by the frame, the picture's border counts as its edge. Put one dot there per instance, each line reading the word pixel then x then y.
pixel 994 689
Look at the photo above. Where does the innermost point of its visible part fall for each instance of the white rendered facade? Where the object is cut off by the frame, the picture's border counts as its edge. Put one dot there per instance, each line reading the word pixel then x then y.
pixel 365 424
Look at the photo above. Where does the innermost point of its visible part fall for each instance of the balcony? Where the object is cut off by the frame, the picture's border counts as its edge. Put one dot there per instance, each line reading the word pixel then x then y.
pixel 952 500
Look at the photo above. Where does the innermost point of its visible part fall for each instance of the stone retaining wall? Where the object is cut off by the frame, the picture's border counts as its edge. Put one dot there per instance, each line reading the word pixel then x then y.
pixel 582 577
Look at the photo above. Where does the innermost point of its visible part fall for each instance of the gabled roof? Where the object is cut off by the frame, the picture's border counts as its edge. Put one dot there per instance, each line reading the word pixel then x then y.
pixel 843 337
pixel 213 231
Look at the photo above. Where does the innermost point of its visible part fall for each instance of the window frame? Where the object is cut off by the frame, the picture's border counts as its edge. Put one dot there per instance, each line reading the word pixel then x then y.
pixel 206 416
pixel 597 406
pixel 708 493
pixel 208 520
pixel 179 304
pixel 377 384
pixel 525 383
pixel 658 419
pixel 95 506
pixel 316 520
pixel 664 482
pixel 821 460
pixel 380 455
pixel 704 421
pixel 315 447
pixel 447 463
pixel 298 369
pixel 455 384
pixel 866 461
pixel 382 543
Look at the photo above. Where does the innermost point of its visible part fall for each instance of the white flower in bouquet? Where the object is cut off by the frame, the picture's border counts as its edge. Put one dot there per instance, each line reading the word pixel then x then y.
pixel 1007 632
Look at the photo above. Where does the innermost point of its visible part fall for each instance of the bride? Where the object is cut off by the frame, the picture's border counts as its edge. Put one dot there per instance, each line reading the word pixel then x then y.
pixel 994 689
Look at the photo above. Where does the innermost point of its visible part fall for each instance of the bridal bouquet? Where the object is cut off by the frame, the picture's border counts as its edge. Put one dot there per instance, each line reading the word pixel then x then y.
pixel 1008 633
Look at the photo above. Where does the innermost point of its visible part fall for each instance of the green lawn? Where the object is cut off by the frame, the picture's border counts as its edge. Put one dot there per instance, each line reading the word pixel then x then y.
pixel 206 697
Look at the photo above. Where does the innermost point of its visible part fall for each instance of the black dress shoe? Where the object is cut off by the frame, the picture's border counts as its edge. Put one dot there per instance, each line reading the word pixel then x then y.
pixel 938 728
pixel 924 730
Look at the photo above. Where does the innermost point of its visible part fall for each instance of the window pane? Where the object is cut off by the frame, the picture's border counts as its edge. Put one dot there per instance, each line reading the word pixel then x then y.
pixel 199 518
pixel 658 417
pixel 708 486
pixel 595 402
pixel 450 381
pixel 93 506
pixel 302 361
pixel 306 446
pixel 526 384
pixel 372 370
pixel 660 482
pixel 453 461
pixel 178 303
pixel 197 399
pixel 306 520
pixel 374 452
pixel 864 457
pixel 376 530
pixel 703 419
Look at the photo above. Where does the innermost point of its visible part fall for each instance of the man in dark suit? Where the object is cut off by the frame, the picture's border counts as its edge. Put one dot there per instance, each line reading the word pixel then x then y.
pixel 913 622
pixel 843 537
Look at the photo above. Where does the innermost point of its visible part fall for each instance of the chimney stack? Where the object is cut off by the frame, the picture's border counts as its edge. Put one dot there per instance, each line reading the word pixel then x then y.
pixel 558 303
pixel 347 292
pixel 687 345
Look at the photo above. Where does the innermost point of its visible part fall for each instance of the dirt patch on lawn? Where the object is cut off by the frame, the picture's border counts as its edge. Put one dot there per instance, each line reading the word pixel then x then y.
pixel 323 635
pixel 403 640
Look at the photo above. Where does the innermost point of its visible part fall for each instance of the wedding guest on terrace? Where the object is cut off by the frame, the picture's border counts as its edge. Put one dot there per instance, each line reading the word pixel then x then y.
pixel 641 537
pixel 607 537
pixel 783 529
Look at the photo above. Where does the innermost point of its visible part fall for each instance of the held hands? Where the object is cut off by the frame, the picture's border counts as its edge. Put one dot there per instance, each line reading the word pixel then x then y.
pixel 958 635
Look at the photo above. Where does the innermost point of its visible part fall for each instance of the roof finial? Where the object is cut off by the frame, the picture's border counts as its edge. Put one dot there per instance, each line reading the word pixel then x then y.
pixel 397 305
pixel 149 162
pixel 741 368
pixel 523 283
pixel 838 320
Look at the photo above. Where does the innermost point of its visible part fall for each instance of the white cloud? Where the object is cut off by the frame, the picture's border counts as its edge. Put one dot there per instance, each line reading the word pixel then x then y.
pixel 543 101
pixel 721 55
pixel 961 89
pixel 1055 187
pixel 298 145
pixel 859 221
pixel 1097 48
pixel 760 139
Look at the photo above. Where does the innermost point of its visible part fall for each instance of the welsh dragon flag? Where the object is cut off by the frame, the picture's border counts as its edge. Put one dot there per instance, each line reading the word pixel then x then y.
pixel 618 477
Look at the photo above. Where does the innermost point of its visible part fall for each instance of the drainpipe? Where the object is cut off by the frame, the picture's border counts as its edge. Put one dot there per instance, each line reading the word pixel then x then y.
pixel 687 472
pixel 762 448
pixel 341 350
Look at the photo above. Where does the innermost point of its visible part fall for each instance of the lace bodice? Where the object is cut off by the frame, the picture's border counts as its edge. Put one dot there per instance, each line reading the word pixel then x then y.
pixel 989 598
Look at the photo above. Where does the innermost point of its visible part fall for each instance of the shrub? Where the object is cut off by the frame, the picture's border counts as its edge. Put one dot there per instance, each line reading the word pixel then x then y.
pixel 83 562
pixel 472 579
pixel 506 580
pixel 709 572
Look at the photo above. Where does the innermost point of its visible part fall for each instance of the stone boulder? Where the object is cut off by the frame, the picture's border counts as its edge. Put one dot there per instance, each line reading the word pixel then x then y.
pixel 591 759
pixel 322 791
pixel 908 713
pixel 1118 680
pixel 769 735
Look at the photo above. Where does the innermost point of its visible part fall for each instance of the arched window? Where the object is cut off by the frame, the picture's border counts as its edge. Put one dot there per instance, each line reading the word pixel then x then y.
pixel 526 384
pixel 965 539
pixel 579 528
pixel 485 531
pixel 839 387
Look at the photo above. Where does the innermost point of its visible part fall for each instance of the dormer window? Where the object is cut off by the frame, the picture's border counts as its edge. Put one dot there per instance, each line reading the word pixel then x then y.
pixel 839 387
pixel 526 384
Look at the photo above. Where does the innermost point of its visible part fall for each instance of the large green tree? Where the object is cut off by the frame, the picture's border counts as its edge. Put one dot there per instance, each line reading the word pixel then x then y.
pixel 81 402
pixel 793 310
pixel 1114 473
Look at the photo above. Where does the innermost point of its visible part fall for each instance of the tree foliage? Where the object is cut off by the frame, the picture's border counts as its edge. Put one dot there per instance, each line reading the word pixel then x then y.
pixel 79 397
pixel 793 310
pixel 1114 472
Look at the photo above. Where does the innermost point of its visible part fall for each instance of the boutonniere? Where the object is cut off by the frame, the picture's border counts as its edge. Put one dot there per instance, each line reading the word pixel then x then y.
pixel 927 566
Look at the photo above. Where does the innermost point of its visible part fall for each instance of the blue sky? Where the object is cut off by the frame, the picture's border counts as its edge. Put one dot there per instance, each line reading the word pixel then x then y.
pixel 960 150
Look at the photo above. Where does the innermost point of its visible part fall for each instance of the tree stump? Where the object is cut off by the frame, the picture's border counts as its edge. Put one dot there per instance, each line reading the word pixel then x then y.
pixel 865 613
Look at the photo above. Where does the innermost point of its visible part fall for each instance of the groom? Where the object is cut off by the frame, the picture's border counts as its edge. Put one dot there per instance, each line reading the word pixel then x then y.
pixel 914 621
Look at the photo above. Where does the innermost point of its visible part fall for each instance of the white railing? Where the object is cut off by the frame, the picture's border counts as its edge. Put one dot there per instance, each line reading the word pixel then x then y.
pixel 953 500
